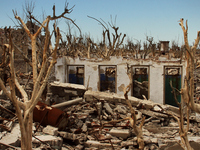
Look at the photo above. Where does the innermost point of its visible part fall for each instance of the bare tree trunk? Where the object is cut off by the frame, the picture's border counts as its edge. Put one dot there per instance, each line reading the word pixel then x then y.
pixel 138 130
pixel 34 58
pixel 26 119
pixel 188 91
pixel 24 109
pixel 88 45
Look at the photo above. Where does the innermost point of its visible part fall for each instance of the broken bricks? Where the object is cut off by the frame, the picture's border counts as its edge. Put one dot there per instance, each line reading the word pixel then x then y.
pixel 99 121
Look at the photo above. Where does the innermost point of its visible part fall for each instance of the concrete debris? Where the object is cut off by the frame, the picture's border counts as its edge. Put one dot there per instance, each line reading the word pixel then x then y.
pixel 63 89
pixel 50 130
pixel 53 141
pixel 68 103
pixel 99 145
pixel 108 108
pixel 136 102
pixel 96 120
pixel 121 109
pixel 122 133
pixel 12 138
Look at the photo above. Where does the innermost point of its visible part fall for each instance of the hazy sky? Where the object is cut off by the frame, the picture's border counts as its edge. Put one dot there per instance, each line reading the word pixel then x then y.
pixel 136 18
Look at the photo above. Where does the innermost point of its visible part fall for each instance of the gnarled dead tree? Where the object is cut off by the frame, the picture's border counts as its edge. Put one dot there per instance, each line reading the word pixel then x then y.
pixel 24 107
pixel 183 131
pixel 188 90
pixel 114 44
pixel 137 129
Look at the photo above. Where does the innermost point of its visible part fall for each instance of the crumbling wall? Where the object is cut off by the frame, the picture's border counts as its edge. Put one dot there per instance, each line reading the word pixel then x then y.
pixel 60 69
pixel 156 83
pixel 122 77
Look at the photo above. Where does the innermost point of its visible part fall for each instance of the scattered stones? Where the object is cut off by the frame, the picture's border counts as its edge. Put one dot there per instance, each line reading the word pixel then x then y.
pixel 101 123
pixel 13 137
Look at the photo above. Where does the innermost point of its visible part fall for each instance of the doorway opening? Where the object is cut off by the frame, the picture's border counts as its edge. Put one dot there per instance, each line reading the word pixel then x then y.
pixel 140 86
pixel 172 74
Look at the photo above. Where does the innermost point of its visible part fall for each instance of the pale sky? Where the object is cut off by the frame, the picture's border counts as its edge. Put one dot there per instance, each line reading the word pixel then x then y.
pixel 136 18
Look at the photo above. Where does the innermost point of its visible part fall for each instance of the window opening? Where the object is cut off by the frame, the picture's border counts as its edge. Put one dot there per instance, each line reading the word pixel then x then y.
pixel 76 74
pixel 107 78
pixel 140 82
pixel 172 74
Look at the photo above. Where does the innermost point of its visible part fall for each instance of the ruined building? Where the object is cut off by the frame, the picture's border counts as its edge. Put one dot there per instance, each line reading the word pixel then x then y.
pixel 151 75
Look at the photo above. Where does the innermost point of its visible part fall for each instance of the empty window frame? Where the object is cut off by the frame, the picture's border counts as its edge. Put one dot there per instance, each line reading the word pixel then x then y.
pixel 140 86
pixel 76 74
pixel 107 78
pixel 173 75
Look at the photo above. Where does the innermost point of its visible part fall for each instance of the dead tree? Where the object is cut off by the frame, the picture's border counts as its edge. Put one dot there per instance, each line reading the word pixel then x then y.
pixel 4 64
pixel 116 42
pixel 148 47
pixel 24 108
pixel 182 130
pixel 133 48
pixel 137 129
pixel 188 90
pixel 73 45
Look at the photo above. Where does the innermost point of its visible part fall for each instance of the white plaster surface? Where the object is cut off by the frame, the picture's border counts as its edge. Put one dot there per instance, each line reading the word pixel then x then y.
pixel 60 69
pixel 91 72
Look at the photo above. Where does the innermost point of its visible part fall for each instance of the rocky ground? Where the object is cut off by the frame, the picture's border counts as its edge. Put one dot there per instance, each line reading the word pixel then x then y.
pixel 97 120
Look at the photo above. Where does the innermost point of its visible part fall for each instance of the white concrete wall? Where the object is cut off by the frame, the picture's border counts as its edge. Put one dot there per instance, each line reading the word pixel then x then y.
pixel 122 78
pixel 156 79
pixel 91 77
pixel 60 70
pixel 91 73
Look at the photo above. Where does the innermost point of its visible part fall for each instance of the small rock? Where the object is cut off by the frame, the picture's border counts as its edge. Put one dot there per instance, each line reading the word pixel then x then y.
pixel 173 124
pixel 79 123
pixel 123 133
pixel 50 130
pixel 156 108
pixel 154 140
pixel 121 109
pixel 12 138
pixel 139 115
pixel 146 147
pixel 108 108
pixel 147 140
pixel 153 147
pixel 79 147
pixel 155 121
pixel 84 127
pixel 99 107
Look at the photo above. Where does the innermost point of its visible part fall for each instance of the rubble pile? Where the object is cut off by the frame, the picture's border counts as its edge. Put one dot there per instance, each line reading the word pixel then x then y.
pixel 97 120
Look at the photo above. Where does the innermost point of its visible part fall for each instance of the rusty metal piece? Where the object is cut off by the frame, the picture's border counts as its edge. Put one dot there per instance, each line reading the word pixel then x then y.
pixel 47 115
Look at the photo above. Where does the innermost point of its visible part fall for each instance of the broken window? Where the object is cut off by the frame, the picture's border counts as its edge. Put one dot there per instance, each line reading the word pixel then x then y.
pixel 172 74
pixel 107 78
pixel 140 82
pixel 76 74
